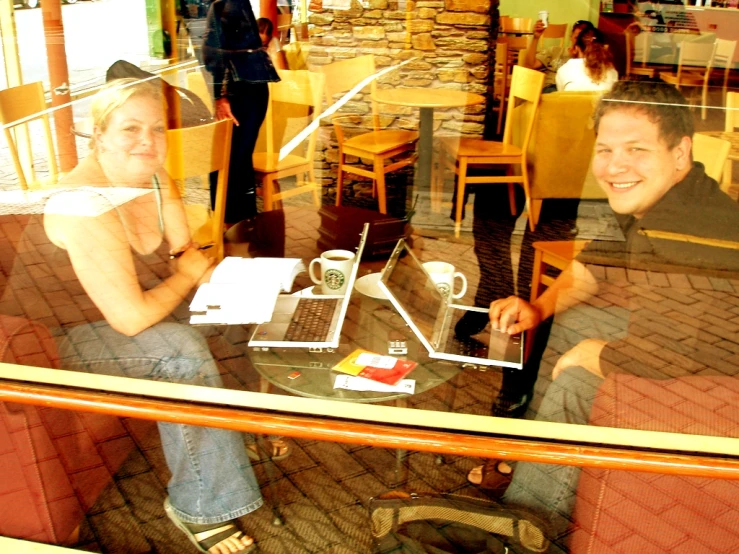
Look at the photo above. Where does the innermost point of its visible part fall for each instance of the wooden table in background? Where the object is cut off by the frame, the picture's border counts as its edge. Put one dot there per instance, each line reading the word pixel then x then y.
pixel 426 99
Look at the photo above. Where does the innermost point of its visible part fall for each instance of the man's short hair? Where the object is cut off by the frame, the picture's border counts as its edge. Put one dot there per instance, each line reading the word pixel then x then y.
pixel 663 104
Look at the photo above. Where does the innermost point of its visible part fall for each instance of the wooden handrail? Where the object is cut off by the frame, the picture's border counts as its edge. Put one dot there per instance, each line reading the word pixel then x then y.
pixel 386 436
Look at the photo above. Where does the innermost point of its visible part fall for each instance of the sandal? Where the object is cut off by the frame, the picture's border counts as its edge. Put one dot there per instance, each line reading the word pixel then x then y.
pixel 494 476
pixel 280 450
pixel 206 536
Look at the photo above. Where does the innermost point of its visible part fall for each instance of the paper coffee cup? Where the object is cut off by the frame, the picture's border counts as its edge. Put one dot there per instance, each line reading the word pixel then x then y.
pixel 336 267
pixel 544 17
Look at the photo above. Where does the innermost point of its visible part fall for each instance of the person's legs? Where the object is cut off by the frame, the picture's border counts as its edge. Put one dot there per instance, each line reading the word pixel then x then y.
pixel 249 107
pixel 212 479
pixel 548 489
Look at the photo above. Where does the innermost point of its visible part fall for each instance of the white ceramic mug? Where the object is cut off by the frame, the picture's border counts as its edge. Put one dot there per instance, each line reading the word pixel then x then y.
pixel 444 275
pixel 336 266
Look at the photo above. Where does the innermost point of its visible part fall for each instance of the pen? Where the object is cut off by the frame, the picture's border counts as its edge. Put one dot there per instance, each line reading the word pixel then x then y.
pixel 178 254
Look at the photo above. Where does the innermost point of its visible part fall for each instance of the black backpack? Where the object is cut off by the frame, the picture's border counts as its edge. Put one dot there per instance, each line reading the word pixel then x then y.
pixel 193 111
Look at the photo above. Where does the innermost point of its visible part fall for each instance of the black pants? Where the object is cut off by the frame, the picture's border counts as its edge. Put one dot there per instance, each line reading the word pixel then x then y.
pixel 249 106
pixel 492 228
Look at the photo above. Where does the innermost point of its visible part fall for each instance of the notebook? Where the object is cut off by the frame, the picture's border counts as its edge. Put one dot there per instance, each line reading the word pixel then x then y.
pixel 309 321
pixel 414 294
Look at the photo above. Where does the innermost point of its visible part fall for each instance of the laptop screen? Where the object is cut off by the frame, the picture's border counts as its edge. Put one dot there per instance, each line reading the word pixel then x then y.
pixel 414 290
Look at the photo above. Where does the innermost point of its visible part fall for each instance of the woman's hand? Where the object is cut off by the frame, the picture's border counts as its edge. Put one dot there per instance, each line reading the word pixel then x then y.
pixel 514 315
pixel 586 355
pixel 194 264
pixel 539 29
pixel 223 110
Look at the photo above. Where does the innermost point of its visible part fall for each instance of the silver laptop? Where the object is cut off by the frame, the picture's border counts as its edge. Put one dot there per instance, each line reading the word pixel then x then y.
pixel 309 321
pixel 414 294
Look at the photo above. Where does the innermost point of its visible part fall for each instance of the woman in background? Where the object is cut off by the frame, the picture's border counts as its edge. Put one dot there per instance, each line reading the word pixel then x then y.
pixel 590 67
pixel 271 43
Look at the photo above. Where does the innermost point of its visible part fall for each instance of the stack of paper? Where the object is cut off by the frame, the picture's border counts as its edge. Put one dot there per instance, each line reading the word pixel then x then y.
pixel 243 290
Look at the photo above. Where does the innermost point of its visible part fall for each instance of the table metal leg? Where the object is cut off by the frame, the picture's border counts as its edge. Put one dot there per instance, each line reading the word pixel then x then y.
pixel 425 149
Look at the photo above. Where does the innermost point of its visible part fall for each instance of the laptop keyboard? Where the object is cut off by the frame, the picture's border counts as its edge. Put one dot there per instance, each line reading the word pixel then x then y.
pixel 468 346
pixel 311 320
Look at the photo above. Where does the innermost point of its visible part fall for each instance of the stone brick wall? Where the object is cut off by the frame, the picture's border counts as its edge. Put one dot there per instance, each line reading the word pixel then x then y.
pixel 447 41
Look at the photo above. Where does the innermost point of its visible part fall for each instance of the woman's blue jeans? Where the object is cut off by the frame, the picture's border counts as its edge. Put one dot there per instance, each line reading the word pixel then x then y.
pixel 212 479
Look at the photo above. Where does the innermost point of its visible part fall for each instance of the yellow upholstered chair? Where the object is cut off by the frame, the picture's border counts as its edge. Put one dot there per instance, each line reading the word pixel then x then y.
pixel 712 152
pixel 196 152
pixel 378 145
pixel 19 108
pixel 464 154
pixel 294 102
pixel 693 68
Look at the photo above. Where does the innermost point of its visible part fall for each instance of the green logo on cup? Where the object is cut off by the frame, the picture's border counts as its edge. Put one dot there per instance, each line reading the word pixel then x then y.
pixel 444 289
pixel 334 279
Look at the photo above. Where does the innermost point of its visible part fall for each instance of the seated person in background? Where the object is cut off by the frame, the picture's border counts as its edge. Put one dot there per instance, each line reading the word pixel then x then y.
pixel 643 161
pixel 590 66
pixel 98 267
pixel 551 59
pixel 272 44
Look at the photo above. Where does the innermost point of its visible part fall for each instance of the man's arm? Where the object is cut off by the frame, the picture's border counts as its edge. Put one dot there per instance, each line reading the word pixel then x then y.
pixel 514 315
pixel 531 61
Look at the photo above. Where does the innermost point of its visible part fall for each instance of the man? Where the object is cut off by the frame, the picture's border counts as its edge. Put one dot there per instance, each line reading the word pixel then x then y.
pixel 551 59
pixel 643 162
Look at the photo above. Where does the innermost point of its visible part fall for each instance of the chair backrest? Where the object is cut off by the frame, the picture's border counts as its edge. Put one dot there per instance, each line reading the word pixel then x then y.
pixel 637 48
pixel 196 152
pixel 17 104
pixel 723 57
pixel 343 75
pixel 732 112
pixel 523 101
pixel 501 69
pixel 197 85
pixel 294 102
pixel 556 31
pixel 712 152
pixel 695 55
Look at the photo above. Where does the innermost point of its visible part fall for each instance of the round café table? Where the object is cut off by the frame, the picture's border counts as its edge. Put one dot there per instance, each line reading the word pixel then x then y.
pixel 427 99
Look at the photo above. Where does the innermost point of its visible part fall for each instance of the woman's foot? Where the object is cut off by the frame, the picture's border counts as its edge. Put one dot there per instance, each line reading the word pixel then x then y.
pixel 494 476
pixel 280 449
pixel 218 538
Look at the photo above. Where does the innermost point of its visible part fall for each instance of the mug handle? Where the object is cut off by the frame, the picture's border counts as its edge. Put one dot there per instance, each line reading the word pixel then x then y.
pixel 460 294
pixel 310 271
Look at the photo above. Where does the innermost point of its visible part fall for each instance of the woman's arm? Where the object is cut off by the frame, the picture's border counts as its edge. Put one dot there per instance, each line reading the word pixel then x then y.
pixel 102 260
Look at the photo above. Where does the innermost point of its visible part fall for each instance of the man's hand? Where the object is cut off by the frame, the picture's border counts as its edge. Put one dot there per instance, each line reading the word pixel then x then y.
pixel 586 355
pixel 223 110
pixel 514 315
pixel 539 29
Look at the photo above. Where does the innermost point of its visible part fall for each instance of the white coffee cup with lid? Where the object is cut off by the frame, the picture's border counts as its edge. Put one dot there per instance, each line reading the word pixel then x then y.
pixel 544 17
pixel 443 275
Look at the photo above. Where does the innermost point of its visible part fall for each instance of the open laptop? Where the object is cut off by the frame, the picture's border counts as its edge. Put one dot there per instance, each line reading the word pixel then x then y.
pixel 309 321
pixel 414 294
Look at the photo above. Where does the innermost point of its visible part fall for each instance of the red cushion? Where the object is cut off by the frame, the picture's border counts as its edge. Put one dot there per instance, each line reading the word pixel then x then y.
pixel 622 511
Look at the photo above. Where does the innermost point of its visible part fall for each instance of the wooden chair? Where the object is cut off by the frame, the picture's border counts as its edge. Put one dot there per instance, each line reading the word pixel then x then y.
pixel 294 102
pixel 552 254
pixel 378 145
pixel 693 69
pixel 196 152
pixel 19 106
pixel 712 152
pixel 284 22
pixel 723 58
pixel 523 102
pixel 638 46
pixel 555 31
pixel 515 46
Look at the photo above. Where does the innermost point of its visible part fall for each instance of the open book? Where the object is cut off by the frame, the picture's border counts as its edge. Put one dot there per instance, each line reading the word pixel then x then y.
pixel 243 290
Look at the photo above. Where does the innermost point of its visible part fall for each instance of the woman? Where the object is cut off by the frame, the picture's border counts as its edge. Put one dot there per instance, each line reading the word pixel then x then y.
pixel 241 69
pixel 271 43
pixel 590 67
pixel 114 225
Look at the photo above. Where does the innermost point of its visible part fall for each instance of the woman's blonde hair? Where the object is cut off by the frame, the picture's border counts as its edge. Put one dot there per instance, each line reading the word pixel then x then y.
pixel 116 93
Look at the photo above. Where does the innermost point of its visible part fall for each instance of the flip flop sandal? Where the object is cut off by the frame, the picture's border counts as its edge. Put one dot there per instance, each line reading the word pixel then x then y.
pixel 278 444
pixel 493 479
pixel 206 536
